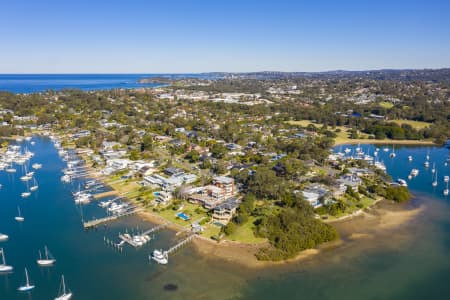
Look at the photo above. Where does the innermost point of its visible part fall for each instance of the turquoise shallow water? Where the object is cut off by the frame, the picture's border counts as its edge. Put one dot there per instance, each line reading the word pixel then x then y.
pixel 411 262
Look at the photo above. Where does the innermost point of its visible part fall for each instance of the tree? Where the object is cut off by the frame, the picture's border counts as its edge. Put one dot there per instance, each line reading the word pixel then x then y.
pixel 218 151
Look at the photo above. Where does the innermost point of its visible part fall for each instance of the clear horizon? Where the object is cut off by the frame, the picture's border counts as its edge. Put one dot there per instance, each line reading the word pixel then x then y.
pixel 175 36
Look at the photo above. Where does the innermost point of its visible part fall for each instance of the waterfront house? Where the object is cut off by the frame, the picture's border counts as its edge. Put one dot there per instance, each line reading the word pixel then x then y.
pixel 163 198
pixel 351 180
pixel 312 198
pixel 223 213
pixel 173 171
pixel 209 196
pixel 169 183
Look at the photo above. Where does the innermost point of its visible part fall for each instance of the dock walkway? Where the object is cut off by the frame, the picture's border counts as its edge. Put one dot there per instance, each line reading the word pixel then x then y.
pixel 96 222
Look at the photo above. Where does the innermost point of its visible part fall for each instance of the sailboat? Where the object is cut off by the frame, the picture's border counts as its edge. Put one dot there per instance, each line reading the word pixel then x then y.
pixel 27 287
pixel 3 266
pixel 11 169
pixel 392 155
pixel 434 168
pixel 35 186
pixel 27 175
pixel 3 237
pixel 446 178
pixel 48 260
pixel 410 158
pixel 445 192
pixel 27 193
pixel 435 183
pixel 19 218
pixel 64 295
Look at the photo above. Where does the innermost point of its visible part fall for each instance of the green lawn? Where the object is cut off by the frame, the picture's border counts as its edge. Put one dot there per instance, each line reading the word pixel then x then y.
pixel 244 233
pixel 414 124
pixel 385 104
pixel 303 123
pixel 189 209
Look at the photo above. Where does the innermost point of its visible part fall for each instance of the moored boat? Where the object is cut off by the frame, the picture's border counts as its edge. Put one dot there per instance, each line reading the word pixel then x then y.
pixel 414 172
pixel 36 166
pixel 63 294
pixel 160 257
pixel 3 266
pixel 19 217
pixel 402 182
pixel 27 287
pixel 3 237
pixel 48 260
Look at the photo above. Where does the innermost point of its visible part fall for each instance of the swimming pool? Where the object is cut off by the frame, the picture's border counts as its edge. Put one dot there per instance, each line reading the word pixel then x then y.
pixel 183 216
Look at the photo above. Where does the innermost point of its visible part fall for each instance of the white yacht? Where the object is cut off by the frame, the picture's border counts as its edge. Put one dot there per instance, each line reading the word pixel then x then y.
pixel 19 217
pixel 35 186
pixel 3 237
pixel 446 178
pixel 65 178
pixel 386 149
pixel 27 287
pixel 3 266
pixel 426 164
pixel 380 165
pixel 410 158
pixel 402 182
pixel 392 155
pixel 414 172
pixel 445 192
pixel 160 257
pixel 435 183
pixel 63 294
pixel 25 194
pixel 36 166
pixel 82 198
pixel 11 169
pixel 48 260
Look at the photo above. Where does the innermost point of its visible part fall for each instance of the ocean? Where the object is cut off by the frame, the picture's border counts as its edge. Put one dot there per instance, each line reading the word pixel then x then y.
pixel 32 83
pixel 409 262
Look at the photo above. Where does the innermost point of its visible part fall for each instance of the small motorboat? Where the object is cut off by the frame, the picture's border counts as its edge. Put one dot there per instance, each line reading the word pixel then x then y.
pixel 402 182
pixel 36 166
pixel 161 257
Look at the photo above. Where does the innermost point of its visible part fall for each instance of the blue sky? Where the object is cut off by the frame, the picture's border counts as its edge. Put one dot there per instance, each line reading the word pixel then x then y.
pixel 179 36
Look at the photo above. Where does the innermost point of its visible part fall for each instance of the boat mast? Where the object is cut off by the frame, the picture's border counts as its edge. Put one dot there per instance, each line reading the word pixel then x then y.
pixel 64 285
pixel 3 257
pixel 26 276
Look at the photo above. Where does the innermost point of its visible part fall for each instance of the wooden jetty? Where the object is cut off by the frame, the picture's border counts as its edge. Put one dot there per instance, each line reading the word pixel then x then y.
pixel 180 244
pixel 96 222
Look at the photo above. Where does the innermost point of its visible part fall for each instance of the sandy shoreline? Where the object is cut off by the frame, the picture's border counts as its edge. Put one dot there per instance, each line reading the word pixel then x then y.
pixel 365 225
